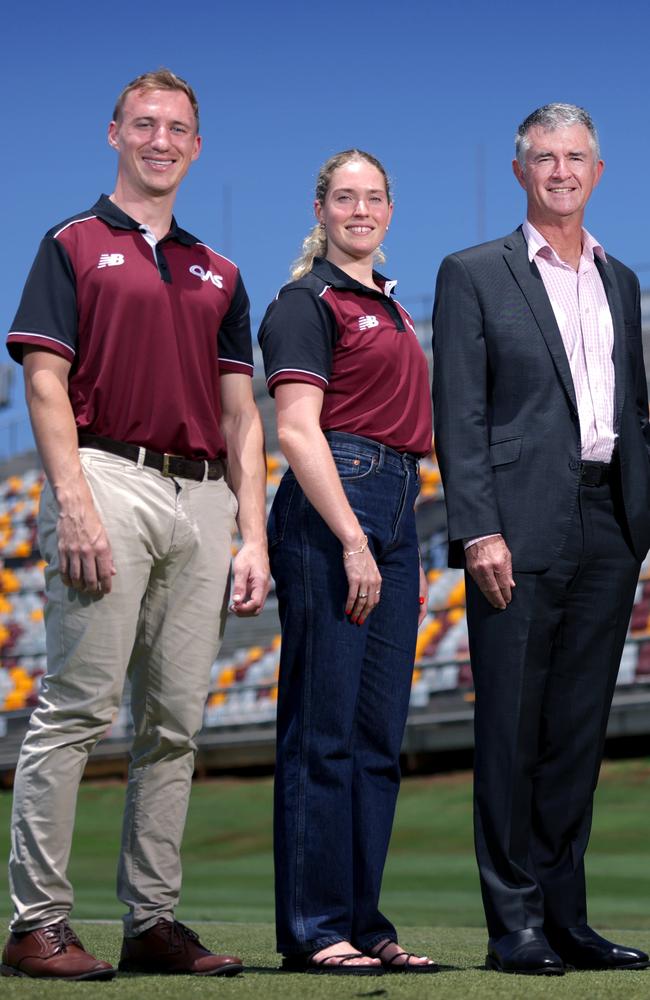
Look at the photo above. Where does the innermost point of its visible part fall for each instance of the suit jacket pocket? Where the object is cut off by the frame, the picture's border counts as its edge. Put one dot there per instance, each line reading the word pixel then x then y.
pixel 503 452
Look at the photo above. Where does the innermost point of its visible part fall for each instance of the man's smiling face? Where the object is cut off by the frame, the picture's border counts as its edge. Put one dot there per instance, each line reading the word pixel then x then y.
pixel 156 140
pixel 561 172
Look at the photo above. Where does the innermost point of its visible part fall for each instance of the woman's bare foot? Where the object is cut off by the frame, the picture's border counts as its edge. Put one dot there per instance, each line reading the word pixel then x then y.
pixel 393 956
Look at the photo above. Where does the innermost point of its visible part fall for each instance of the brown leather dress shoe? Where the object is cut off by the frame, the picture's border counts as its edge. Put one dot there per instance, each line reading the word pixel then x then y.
pixel 170 947
pixel 52 952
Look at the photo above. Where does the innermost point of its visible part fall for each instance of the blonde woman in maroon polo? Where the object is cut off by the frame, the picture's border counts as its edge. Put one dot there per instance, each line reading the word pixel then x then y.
pixel 351 389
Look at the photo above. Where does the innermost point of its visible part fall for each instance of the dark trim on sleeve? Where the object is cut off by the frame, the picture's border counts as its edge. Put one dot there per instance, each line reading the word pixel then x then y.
pixel 234 345
pixel 291 375
pixel 47 313
pixel 16 341
pixel 227 365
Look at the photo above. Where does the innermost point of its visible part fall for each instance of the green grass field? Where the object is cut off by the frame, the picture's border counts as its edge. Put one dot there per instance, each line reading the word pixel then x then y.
pixel 430 891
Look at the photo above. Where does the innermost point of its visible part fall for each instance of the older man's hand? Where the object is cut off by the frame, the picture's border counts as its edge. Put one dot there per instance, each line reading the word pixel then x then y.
pixel 489 563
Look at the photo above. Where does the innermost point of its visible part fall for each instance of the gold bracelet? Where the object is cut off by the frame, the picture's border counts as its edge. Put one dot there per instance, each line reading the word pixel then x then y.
pixel 357 552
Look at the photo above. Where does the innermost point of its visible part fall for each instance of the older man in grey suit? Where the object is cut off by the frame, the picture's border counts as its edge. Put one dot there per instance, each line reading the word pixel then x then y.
pixel 541 419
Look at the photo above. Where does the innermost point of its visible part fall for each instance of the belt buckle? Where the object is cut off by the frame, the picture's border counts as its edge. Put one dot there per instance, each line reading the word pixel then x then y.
pixel 165 466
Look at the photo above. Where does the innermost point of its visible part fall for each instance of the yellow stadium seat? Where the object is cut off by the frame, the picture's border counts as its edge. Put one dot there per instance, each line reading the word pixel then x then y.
pixel 14 701
pixel 9 582
pixel 226 677
pixel 457 594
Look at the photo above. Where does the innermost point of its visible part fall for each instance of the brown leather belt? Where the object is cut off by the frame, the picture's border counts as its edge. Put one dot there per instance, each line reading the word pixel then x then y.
pixel 168 465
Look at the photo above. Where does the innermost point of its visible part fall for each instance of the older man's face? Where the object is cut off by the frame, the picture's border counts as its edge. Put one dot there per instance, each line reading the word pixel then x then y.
pixel 561 172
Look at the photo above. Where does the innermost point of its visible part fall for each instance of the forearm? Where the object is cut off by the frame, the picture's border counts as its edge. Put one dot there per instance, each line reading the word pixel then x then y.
pixel 308 453
pixel 55 433
pixel 247 471
pixel 85 560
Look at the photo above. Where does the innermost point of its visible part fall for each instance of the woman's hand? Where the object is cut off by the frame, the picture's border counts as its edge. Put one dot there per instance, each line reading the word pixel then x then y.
pixel 364 580
pixel 424 596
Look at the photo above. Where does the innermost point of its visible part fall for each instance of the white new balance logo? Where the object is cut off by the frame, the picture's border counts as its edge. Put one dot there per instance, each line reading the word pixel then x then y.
pixel 111 259
pixel 216 279
pixel 366 322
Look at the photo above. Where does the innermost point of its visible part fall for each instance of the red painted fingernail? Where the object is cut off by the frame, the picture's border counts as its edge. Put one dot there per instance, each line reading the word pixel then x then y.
pixel 421 599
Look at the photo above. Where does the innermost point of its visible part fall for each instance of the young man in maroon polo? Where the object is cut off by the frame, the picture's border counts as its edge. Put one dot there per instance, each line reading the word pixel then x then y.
pixel 135 343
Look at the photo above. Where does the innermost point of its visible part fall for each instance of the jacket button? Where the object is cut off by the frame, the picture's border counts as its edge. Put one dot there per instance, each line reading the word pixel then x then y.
pixel 574 464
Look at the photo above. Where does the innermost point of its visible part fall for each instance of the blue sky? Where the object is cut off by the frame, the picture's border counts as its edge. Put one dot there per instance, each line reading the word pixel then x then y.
pixel 435 90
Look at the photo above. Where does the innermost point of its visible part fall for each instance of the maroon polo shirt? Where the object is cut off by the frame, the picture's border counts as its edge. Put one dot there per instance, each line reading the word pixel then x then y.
pixel 359 346
pixel 147 329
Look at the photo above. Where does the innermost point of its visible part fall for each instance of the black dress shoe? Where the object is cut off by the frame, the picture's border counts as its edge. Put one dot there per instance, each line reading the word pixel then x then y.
pixel 582 948
pixel 525 952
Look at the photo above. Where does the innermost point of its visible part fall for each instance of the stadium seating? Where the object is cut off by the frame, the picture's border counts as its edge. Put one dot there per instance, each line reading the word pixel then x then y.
pixel 244 680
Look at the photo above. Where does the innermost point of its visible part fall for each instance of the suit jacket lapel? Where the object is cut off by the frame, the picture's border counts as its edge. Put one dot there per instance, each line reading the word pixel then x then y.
pixel 616 309
pixel 529 280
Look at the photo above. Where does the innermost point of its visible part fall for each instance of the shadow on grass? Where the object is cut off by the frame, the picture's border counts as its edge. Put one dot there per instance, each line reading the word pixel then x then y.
pixel 275 970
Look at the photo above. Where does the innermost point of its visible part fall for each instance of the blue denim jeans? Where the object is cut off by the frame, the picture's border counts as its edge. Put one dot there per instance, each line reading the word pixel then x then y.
pixel 343 699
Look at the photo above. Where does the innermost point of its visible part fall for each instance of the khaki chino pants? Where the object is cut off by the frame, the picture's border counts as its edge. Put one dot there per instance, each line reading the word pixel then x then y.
pixel 162 622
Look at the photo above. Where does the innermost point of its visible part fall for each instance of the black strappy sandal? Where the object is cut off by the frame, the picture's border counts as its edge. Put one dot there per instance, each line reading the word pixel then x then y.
pixel 402 961
pixel 333 965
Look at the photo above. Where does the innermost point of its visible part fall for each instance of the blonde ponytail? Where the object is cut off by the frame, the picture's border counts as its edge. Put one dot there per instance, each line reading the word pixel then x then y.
pixel 313 245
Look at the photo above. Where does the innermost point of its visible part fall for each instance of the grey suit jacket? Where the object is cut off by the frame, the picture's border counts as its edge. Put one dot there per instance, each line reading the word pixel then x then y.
pixel 506 423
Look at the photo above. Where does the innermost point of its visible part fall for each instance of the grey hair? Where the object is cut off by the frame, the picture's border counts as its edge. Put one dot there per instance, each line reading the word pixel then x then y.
pixel 550 117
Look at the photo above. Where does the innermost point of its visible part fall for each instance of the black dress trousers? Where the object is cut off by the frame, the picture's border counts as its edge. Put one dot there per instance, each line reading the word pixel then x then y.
pixel 544 674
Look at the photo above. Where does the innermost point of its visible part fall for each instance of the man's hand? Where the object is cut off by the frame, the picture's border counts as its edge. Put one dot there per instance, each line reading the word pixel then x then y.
pixel 251 580
pixel 85 559
pixel 489 563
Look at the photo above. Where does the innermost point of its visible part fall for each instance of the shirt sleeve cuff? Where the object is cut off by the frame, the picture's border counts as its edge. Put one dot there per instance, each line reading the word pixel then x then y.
pixel 479 538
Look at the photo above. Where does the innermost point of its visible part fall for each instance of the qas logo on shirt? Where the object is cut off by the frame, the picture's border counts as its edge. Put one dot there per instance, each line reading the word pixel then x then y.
pixel 366 322
pixel 216 279
pixel 111 260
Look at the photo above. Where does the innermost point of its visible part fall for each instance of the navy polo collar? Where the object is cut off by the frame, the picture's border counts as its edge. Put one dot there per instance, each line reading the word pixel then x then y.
pixel 334 276
pixel 108 212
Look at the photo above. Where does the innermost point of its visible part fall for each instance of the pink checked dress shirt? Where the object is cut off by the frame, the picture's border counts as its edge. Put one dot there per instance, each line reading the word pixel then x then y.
pixel 582 312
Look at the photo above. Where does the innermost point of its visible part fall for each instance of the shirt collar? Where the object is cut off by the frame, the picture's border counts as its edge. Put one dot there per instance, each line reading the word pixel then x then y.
pixel 334 276
pixel 108 212
pixel 590 246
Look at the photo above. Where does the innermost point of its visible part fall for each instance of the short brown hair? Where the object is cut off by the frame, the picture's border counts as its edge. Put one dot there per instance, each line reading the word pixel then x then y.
pixel 161 79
